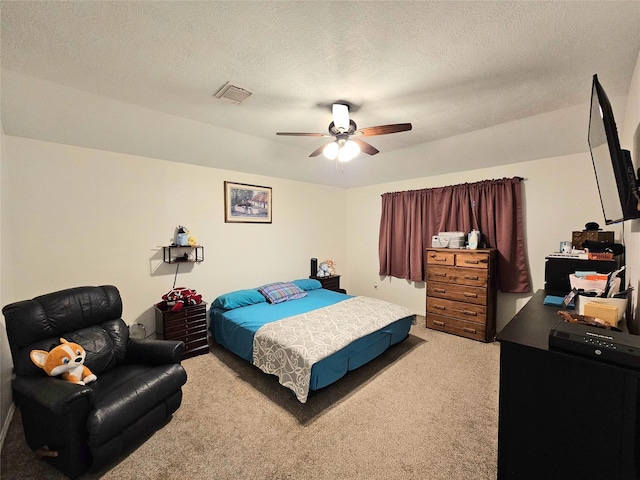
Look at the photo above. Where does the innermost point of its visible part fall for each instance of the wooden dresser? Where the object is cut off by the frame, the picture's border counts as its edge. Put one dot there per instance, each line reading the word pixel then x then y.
pixel 461 292
pixel 188 324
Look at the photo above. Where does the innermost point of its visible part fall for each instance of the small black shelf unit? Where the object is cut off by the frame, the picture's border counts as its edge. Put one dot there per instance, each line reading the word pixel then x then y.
pixel 178 254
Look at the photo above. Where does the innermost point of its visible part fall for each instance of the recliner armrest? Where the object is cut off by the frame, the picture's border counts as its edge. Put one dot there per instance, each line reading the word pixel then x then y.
pixel 53 394
pixel 154 352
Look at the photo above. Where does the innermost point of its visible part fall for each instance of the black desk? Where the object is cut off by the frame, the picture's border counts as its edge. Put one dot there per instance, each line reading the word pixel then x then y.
pixel 562 416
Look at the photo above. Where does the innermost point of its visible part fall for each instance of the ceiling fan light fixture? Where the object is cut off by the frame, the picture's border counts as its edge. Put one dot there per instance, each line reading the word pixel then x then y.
pixel 341 116
pixel 341 128
pixel 331 150
pixel 348 151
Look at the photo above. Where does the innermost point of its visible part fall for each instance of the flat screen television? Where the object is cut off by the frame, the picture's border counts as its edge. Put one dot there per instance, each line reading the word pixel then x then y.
pixel 613 167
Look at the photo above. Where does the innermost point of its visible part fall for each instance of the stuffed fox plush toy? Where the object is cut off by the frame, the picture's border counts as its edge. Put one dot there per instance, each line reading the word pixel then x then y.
pixel 67 360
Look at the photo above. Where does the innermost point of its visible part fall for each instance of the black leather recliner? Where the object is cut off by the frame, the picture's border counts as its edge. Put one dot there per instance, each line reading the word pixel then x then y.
pixel 86 427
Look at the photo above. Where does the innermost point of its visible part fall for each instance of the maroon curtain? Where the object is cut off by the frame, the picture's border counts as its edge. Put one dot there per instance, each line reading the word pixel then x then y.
pixel 409 220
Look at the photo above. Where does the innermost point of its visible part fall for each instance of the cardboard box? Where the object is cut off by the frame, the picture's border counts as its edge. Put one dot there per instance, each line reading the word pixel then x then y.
pixel 608 313
pixel 578 238
pixel 620 305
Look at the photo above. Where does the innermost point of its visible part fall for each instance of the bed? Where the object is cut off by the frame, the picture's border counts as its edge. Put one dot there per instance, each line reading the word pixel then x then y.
pixel 307 336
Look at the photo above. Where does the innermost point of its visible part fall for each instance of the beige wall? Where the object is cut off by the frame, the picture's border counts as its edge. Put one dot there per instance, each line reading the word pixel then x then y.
pixel 84 216
pixel 5 293
pixel 87 217
pixel 560 195
pixel 630 140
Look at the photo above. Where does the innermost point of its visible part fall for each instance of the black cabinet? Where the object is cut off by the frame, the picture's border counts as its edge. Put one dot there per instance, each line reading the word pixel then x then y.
pixel 188 324
pixel 557 271
pixel 562 416
pixel 330 283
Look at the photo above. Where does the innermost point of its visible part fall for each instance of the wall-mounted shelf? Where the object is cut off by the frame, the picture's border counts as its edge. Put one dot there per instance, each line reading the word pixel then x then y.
pixel 188 254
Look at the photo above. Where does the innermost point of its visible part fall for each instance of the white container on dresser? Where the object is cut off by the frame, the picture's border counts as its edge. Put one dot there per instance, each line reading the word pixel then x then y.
pixel 461 292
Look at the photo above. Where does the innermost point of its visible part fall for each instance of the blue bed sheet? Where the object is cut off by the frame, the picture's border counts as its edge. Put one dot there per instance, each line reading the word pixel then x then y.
pixel 235 329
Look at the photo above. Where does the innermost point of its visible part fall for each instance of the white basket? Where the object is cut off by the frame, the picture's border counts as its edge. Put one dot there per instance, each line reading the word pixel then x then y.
pixel 621 303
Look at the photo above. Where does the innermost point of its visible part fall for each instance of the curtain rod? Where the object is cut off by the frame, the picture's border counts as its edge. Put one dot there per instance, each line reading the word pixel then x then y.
pixel 522 179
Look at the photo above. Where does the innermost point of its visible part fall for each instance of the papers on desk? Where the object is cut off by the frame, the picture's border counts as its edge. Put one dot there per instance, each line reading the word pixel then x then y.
pixel 583 283
pixel 600 285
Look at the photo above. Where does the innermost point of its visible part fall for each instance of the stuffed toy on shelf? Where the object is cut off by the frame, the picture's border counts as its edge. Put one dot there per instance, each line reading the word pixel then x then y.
pixel 326 269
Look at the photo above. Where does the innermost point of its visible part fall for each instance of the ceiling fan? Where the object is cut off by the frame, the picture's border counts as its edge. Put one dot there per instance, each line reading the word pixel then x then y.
pixel 347 144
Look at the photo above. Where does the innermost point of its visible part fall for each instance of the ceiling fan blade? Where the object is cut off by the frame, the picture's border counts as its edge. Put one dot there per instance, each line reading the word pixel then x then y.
pixel 365 147
pixel 297 134
pixel 384 129
pixel 319 150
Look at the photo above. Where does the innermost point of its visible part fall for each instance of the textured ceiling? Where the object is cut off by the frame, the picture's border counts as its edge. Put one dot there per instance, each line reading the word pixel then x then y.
pixel 483 83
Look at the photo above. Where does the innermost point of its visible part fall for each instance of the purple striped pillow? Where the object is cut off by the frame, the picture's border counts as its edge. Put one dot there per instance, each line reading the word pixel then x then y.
pixel 279 292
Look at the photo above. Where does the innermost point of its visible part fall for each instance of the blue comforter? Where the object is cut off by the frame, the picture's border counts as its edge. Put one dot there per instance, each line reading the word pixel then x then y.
pixel 234 329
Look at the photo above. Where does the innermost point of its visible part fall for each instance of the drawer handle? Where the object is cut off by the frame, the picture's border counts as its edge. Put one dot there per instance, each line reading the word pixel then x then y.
pixel 439 290
pixel 439 274
pixel 438 323
pixel 438 259
pixel 469 330
pixel 470 313
pixel 476 262
pixel 471 295
pixel 470 277
pixel 439 307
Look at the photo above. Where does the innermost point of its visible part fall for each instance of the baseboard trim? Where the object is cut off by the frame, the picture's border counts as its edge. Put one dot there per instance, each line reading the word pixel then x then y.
pixel 7 422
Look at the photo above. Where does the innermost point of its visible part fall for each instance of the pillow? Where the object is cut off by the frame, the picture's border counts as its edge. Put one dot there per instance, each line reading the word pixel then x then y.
pixel 281 292
pixel 307 283
pixel 237 299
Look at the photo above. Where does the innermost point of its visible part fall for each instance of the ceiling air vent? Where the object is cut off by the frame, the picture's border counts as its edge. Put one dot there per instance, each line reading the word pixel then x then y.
pixel 232 93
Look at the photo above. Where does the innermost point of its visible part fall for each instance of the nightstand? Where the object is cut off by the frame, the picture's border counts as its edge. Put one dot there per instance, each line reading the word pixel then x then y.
pixel 330 283
pixel 188 324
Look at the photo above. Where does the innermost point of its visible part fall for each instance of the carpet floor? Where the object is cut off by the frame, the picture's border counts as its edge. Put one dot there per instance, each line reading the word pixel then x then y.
pixel 425 409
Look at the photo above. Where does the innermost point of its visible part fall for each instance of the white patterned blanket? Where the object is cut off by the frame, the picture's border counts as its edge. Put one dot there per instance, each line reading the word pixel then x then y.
pixel 289 347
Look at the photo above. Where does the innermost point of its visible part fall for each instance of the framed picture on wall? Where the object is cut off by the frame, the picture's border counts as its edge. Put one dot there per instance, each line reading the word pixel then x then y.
pixel 246 203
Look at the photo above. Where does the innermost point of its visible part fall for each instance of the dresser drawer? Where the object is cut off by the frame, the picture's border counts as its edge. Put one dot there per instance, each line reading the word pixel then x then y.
pixel 195 346
pixel 331 283
pixel 169 316
pixel 185 322
pixel 193 325
pixel 195 341
pixel 186 337
pixel 464 311
pixel 462 276
pixel 472 260
pixel 458 327
pixel 441 258
pixel 462 293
